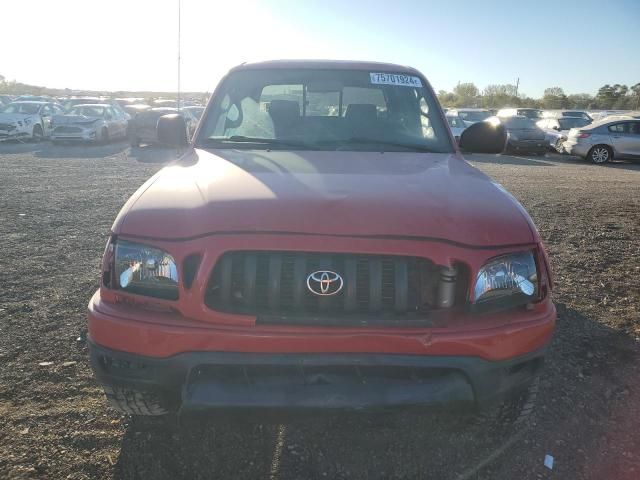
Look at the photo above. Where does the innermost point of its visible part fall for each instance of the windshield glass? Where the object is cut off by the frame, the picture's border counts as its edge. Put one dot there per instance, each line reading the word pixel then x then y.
pixel 474 116
pixel 25 108
pixel 518 122
pixel 324 109
pixel 535 114
pixel 88 111
pixel 572 122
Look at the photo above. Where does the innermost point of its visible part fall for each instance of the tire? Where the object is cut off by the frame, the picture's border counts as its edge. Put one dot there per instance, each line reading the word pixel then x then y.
pixel 134 402
pixel 514 412
pixel 600 154
pixel 104 135
pixel 36 134
pixel 135 141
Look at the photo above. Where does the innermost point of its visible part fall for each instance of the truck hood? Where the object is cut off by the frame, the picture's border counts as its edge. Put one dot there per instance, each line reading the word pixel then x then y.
pixel 435 196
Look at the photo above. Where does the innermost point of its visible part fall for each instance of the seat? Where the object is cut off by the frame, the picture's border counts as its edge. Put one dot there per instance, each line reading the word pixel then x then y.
pixel 362 120
pixel 285 115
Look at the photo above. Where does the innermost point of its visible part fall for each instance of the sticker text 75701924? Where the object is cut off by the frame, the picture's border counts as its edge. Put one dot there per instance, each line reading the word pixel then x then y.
pixel 395 79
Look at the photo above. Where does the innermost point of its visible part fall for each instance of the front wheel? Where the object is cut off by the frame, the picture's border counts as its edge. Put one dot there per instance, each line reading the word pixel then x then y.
pixel 36 134
pixel 600 154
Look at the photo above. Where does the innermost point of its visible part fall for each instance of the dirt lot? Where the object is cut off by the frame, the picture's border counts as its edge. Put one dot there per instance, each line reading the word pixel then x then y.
pixel 57 204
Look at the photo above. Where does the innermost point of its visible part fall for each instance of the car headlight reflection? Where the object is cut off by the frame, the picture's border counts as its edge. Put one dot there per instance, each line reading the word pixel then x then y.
pixel 510 278
pixel 146 270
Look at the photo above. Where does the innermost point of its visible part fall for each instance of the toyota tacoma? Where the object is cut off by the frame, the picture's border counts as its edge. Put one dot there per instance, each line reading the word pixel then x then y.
pixel 321 243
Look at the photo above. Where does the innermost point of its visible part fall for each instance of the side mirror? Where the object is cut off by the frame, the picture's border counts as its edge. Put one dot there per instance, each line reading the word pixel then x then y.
pixel 484 137
pixel 172 130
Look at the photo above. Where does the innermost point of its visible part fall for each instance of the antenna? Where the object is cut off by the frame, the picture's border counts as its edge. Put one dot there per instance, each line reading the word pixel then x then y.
pixel 179 22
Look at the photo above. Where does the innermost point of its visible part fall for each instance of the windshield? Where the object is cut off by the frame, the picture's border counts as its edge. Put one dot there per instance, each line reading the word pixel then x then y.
pixel 474 116
pixel 24 108
pixel 518 122
pixel 535 114
pixel 88 111
pixel 324 109
pixel 572 122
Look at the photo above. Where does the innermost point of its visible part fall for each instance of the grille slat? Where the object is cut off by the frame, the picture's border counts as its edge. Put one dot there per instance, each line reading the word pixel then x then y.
pixel 275 279
pixel 375 285
pixel 249 287
pixel 275 284
pixel 401 284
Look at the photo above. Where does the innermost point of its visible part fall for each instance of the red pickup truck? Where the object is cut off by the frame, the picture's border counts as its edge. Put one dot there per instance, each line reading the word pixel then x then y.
pixel 321 243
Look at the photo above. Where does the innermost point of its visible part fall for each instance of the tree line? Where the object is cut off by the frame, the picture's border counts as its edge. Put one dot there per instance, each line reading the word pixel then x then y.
pixel 609 97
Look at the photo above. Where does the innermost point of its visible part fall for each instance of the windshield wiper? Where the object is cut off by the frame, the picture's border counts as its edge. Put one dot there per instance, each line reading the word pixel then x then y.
pixel 380 142
pixel 276 142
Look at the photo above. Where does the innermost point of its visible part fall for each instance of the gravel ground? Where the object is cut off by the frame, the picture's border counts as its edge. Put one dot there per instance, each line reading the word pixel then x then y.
pixel 57 204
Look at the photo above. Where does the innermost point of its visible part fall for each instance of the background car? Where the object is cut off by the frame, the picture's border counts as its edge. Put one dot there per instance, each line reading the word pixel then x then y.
pixel 143 128
pixel 532 113
pixel 457 126
pixel 196 110
pixel 93 123
pixel 557 129
pixel 566 113
pixel 524 135
pixel 605 140
pixel 27 119
pixel 470 115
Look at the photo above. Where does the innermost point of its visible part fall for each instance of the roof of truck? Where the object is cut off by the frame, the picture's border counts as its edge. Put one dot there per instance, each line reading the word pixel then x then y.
pixel 327 64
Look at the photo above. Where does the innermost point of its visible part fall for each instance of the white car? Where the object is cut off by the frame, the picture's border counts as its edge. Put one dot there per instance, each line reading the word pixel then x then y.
pixel 27 120
pixel 457 126
pixel 92 123
pixel 470 115
pixel 557 130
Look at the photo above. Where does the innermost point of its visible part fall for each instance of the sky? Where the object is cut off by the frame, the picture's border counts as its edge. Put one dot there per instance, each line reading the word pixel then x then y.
pixel 133 44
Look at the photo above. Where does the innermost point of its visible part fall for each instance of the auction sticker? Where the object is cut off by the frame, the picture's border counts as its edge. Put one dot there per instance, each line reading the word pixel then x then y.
pixel 395 79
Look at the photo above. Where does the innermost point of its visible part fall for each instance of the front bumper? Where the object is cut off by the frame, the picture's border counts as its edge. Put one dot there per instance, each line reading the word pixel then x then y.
pixel 527 145
pixel 84 135
pixel 232 381
pixel 13 134
pixel 198 366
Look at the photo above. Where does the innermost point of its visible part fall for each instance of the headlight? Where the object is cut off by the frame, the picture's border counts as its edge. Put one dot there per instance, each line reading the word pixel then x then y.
pixel 512 279
pixel 146 270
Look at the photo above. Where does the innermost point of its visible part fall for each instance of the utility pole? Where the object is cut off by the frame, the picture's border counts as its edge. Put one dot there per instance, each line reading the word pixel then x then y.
pixel 179 23
pixel 517 85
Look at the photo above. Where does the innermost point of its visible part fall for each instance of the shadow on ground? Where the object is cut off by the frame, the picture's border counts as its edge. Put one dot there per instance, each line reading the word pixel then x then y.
pixel 153 154
pixel 407 444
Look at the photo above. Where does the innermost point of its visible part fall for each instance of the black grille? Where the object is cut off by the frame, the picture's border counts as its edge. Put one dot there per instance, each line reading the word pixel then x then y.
pixel 274 284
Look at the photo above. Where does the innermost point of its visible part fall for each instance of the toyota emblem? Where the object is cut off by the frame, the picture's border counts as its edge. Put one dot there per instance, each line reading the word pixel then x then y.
pixel 324 282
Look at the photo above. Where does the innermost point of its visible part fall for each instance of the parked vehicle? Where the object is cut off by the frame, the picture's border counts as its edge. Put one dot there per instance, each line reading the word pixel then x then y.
pixel 284 263
pixel 5 99
pixel 605 140
pixel 133 110
pixel 143 128
pixel 471 115
pixel 531 113
pixel 557 129
pixel 567 113
pixel 34 98
pixel 195 110
pixel 457 125
pixel 524 135
pixel 27 120
pixel 91 123
pixel 72 102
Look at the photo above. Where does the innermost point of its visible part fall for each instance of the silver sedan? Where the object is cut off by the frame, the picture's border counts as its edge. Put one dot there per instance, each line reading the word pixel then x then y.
pixel 92 123
pixel 604 140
